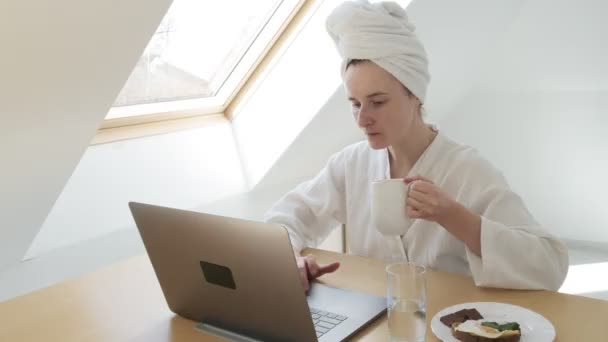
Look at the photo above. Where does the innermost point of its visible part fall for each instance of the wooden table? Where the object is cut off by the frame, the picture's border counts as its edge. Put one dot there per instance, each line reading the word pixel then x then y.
pixel 124 302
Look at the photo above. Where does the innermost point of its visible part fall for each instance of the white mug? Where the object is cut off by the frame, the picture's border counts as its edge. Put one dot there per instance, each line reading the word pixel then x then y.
pixel 388 206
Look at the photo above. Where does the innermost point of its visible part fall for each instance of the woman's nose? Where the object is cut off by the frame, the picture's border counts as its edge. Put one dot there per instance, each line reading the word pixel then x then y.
pixel 363 117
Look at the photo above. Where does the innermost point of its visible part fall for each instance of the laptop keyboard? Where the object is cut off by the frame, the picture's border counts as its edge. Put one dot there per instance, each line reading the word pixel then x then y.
pixel 325 321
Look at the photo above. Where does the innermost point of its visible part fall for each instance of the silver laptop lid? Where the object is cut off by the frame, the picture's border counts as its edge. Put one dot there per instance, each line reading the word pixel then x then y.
pixel 234 274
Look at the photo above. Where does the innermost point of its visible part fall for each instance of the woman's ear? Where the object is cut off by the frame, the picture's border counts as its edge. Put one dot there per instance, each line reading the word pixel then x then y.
pixel 421 111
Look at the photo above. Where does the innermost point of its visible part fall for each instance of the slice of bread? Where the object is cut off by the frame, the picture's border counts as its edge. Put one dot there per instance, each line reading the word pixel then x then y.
pixel 466 337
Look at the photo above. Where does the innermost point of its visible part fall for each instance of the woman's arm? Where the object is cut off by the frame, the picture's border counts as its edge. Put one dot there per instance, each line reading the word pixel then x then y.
pixel 505 246
pixel 314 208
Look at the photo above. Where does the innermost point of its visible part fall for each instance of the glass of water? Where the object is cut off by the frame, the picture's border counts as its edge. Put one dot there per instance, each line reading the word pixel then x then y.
pixel 406 301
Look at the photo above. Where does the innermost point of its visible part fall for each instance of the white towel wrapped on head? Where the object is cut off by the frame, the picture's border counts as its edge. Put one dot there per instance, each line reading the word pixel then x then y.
pixel 382 34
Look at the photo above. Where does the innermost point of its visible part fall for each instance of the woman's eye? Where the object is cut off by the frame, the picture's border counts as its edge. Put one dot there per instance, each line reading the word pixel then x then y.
pixel 377 103
pixel 355 105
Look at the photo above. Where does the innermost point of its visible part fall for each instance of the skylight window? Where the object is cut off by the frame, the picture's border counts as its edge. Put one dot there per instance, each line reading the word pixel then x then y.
pixel 200 54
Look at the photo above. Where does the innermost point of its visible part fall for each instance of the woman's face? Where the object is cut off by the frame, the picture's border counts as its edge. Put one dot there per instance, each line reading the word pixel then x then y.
pixel 380 104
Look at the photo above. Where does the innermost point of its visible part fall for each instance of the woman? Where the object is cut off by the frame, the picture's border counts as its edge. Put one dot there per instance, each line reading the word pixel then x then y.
pixel 468 220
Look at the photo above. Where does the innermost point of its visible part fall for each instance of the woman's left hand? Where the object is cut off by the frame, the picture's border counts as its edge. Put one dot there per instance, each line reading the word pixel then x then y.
pixel 427 201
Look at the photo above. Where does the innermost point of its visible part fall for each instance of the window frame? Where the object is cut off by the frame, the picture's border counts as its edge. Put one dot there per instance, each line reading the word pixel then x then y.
pixel 163 117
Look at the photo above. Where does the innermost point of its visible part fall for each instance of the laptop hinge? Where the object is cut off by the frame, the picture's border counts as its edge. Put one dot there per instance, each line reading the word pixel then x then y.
pixel 221 332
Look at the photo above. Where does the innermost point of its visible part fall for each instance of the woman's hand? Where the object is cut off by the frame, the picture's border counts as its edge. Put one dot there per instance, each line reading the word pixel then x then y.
pixel 310 270
pixel 427 201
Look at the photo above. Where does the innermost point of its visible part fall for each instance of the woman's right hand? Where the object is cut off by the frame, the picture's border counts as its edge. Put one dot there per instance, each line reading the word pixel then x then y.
pixel 310 270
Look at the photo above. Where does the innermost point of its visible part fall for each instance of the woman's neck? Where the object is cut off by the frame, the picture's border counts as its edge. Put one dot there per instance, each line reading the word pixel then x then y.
pixel 404 155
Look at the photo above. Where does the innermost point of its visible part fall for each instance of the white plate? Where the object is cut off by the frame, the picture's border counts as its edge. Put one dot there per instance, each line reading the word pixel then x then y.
pixel 534 327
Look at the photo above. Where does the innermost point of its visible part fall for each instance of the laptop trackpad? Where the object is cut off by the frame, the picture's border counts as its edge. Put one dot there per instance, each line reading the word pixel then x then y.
pixel 345 302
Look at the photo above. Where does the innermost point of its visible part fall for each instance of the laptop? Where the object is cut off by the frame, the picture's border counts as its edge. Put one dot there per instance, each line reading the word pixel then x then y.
pixel 239 279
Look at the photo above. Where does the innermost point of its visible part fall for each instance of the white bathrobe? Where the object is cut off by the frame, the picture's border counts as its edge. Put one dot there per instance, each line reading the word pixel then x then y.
pixel 516 252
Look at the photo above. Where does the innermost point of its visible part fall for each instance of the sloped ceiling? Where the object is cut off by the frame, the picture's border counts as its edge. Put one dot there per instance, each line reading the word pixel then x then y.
pixel 327 133
pixel 63 64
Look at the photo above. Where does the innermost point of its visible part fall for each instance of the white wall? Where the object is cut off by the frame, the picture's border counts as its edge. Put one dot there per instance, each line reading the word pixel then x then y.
pixel 553 149
pixel 68 262
pixel 538 112
pixel 552 45
pixel 90 225
pixel 288 97
pixel 183 169
pixel 459 37
pixel 332 128
pixel 63 63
